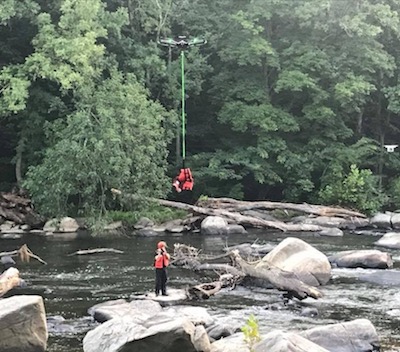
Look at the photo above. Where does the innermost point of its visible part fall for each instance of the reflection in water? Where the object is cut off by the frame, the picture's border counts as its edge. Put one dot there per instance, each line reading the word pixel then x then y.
pixel 72 284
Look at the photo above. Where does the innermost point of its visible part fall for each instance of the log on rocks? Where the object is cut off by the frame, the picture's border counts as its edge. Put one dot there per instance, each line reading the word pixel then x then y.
pixel 234 216
pixel 234 205
pixel 242 219
pixel 281 279
pixel 19 210
pixel 96 251
pixel 8 280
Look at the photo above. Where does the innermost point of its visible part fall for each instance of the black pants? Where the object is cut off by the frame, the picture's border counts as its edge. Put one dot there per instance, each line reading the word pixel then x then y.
pixel 161 281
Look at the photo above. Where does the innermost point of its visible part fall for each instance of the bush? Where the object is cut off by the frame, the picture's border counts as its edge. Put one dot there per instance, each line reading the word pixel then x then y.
pixel 358 189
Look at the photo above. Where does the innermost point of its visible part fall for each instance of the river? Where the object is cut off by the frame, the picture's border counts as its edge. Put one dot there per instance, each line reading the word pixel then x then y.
pixel 72 284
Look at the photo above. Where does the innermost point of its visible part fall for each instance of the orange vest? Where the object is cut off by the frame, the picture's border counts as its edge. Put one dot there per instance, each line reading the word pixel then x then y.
pixel 161 261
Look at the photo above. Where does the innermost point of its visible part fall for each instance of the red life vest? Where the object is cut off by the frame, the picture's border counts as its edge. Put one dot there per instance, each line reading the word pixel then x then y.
pixel 161 261
pixel 185 180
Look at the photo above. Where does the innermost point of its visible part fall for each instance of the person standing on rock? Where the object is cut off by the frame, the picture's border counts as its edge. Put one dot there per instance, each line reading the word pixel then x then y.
pixel 161 261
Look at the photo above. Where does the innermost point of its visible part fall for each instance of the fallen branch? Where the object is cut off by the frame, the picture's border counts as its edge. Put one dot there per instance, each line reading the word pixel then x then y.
pixel 280 279
pixel 24 254
pixel 96 251
pixel 234 205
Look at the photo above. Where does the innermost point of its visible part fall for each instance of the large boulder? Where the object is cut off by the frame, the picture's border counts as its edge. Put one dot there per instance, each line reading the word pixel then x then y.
pixel 231 343
pixel 382 220
pixel 214 225
pixel 354 336
pixel 279 341
pixel 368 258
pixel 118 308
pixel 156 333
pixel 295 255
pixel 64 225
pixel 23 325
pixel 389 240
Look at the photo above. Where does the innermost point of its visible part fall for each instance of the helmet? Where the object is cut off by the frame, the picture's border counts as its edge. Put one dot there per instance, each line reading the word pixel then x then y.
pixel 161 244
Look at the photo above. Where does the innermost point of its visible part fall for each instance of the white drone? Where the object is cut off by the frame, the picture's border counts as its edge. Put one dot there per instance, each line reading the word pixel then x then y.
pixel 390 147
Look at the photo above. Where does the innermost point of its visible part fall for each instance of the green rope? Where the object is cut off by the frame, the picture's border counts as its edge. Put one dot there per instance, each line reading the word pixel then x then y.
pixel 183 108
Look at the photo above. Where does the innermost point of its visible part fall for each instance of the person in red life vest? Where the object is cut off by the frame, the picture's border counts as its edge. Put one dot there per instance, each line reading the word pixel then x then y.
pixel 161 262
pixel 184 181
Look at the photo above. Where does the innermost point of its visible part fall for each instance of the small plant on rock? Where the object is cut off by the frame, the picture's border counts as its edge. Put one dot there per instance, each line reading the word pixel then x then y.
pixel 251 332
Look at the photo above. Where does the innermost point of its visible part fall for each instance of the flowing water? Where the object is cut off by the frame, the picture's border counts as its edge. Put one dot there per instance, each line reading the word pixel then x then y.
pixel 72 284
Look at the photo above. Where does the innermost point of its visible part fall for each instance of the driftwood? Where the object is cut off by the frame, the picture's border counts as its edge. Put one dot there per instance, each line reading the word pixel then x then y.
pixel 24 254
pixel 230 209
pixel 241 219
pixel 234 205
pixel 205 291
pixel 19 210
pixel 8 280
pixel 280 279
pixel 96 251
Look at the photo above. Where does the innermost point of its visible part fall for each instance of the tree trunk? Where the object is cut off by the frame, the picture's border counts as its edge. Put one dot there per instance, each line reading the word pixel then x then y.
pixel 280 279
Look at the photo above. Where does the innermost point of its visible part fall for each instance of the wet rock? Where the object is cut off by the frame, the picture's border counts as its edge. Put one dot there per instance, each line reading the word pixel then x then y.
pixel 197 315
pixel 395 221
pixel 214 225
pixel 23 324
pixel 332 232
pixel 353 336
pixel 389 240
pixel 295 255
pixel 201 340
pixel 279 341
pixel 119 308
pixel 231 343
pixel 57 325
pixel 236 229
pixel 131 333
pixel 7 262
pixel 222 329
pixel 175 296
pixel 384 278
pixel 382 220
pixel 64 225
pixel 309 312
pixel 146 232
pixel 362 259
pixel 325 221
pixel 143 223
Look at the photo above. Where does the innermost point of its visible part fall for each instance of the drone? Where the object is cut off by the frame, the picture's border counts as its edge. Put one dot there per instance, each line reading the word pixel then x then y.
pixel 181 42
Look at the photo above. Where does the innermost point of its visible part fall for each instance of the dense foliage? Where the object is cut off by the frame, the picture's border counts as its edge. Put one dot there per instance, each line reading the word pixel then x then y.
pixel 289 100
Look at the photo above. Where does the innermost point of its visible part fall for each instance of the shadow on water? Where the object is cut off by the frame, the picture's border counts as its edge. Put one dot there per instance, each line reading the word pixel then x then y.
pixel 70 285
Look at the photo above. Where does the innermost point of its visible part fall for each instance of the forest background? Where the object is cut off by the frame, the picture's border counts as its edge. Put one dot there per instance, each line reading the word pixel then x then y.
pixel 290 100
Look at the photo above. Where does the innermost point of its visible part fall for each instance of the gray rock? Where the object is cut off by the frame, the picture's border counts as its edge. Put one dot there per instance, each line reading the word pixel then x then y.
pixel 384 278
pixel 362 259
pixel 353 336
pixel 389 240
pixel 143 223
pixel 214 225
pixel 395 220
pixel 129 333
pixel 332 232
pixel 279 341
pixel 233 343
pixel 23 325
pixel 236 229
pixel 382 220
pixel 147 232
pixel 200 339
pixel 222 329
pixel 295 255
